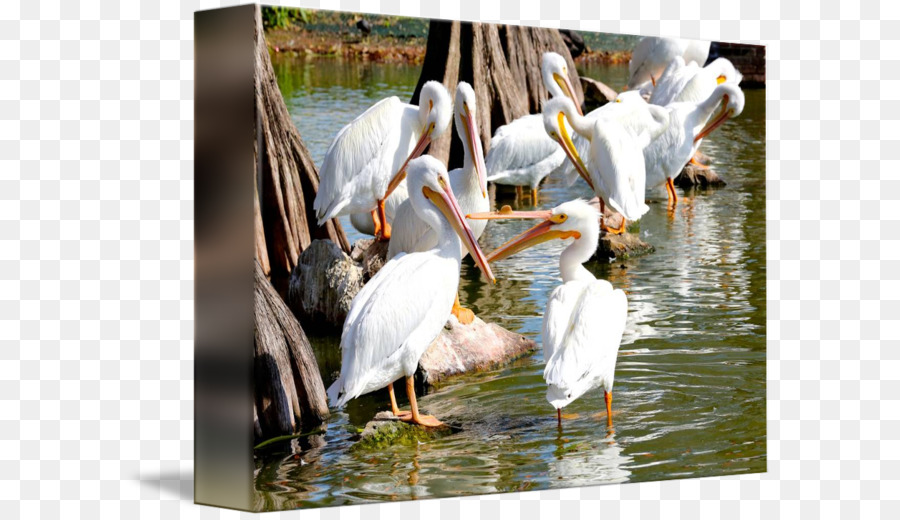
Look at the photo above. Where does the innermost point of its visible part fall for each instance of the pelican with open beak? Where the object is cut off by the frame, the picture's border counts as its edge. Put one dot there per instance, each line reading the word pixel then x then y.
pixel 469 183
pixel 402 309
pixel 585 317
pixel 368 158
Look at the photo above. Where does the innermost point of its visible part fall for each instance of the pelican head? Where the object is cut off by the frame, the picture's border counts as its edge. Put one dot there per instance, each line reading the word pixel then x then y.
pixel 631 96
pixel 555 113
pixel 730 100
pixel 555 73
pixel 466 116
pixel 433 201
pixel 724 71
pixel 575 220
pixel 434 115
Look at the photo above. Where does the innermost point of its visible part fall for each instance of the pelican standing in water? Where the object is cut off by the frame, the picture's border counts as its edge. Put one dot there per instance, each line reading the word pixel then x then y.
pixel 367 159
pixel 469 184
pixel 396 316
pixel 615 142
pixel 520 153
pixel 667 154
pixel 652 55
pixel 585 318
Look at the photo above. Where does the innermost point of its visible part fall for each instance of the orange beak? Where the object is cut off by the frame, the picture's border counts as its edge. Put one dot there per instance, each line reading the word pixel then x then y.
pixel 566 85
pixel 539 233
pixel 569 147
pixel 475 148
pixel 417 151
pixel 716 121
pixel 447 204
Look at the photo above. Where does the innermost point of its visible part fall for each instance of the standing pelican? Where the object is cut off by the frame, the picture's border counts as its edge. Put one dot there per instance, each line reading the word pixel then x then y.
pixel 396 316
pixel 585 318
pixel 469 184
pixel 652 54
pixel 667 154
pixel 521 154
pixel 616 141
pixel 367 159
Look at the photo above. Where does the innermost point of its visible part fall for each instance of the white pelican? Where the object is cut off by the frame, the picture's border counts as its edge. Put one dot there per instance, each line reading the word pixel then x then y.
pixel 520 152
pixel 368 157
pixel 652 54
pixel 396 316
pixel 410 233
pixel 667 154
pixel 585 318
pixel 691 83
pixel 615 142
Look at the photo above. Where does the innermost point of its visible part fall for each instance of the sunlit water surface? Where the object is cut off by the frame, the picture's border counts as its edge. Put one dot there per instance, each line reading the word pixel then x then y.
pixel 690 378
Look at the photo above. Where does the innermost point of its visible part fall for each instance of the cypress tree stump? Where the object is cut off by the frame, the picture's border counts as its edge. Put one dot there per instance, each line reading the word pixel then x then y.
pixel 286 175
pixel 289 392
pixel 503 65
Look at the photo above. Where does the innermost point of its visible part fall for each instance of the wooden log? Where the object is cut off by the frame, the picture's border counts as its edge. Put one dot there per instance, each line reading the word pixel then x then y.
pixel 289 392
pixel 288 178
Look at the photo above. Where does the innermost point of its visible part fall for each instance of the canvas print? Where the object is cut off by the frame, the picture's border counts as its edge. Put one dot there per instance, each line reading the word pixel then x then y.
pixel 495 258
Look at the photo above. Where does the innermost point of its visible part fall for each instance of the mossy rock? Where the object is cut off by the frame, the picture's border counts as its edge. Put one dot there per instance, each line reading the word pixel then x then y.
pixel 385 430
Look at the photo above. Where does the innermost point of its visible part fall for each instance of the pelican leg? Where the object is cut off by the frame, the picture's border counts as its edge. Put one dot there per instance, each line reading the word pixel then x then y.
pixel 534 196
pixel 385 226
pixel 519 193
pixel 607 396
pixel 376 222
pixel 394 409
pixel 465 316
pixel 670 188
pixel 415 417
pixel 559 417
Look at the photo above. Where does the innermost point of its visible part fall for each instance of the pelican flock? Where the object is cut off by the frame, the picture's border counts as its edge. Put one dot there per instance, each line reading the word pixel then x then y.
pixel 376 172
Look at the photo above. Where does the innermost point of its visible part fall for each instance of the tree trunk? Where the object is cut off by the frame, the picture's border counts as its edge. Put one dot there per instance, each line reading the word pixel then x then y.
pixel 289 393
pixel 503 65
pixel 288 178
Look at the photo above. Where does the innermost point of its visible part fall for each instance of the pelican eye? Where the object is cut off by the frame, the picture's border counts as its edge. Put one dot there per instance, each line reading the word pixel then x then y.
pixel 559 219
pixel 618 100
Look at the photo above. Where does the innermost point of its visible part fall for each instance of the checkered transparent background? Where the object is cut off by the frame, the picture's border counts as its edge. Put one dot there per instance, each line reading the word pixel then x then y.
pixel 96 261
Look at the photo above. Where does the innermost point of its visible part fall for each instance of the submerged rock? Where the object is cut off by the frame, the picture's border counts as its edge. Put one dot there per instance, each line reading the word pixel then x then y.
pixel 475 347
pixel 596 93
pixel 618 247
pixel 621 247
pixel 386 430
pixel 695 176
pixel 323 284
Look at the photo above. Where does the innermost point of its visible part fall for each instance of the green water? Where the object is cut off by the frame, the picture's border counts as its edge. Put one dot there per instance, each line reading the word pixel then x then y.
pixel 690 378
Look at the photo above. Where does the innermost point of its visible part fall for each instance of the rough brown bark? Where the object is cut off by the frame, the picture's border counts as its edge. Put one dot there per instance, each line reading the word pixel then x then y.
pixel 289 178
pixel 524 48
pixel 289 392
pixel 503 65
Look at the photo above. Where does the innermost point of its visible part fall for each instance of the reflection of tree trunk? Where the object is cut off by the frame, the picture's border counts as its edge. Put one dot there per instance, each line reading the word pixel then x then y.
pixel 289 393
pixel 503 65
pixel 288 178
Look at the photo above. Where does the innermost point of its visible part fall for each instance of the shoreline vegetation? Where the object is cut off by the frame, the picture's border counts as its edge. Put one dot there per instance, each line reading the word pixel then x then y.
pixel 389 39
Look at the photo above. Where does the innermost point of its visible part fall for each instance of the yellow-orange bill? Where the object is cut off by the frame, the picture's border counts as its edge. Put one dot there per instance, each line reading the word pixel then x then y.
pixel 417 151
pixel 446 202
